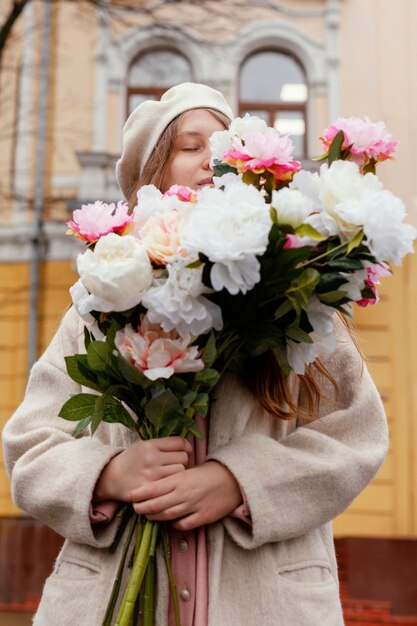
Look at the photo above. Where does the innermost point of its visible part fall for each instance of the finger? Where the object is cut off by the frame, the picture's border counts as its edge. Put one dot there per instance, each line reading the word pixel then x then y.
pixel 173 513
pixel 168 470
pixel 189 522
pixel 156 506
pixel 167 444
pixel 153 489
pixel 173 458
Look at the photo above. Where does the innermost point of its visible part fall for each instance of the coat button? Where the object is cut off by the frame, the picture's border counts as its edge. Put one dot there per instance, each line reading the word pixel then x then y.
pixel 182 545
pixel 185 595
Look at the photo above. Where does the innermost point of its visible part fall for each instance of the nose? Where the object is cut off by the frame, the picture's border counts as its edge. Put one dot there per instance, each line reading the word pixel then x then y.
pixel 206 159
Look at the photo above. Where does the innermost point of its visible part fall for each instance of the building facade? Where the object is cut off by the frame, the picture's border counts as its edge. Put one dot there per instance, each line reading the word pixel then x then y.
pixel 73 74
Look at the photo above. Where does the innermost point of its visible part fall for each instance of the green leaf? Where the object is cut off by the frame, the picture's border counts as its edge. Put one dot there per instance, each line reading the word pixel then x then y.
pixel 208 377
pixel 98 412
pixel 188 399
pixel 335 150
pixel 201 403
pixel 298 334
pixel 159 408
pixel 131 373
pixel 87 337
pixel 98 356
pixel 194 264
pixel 115 413
pixel 283 309
pixel 73 369
pixel 355 242
pixel 250 178
pixel 194 430
pixel 330 281
pixel 344 264
pixel 79 407
pixel 280 354
pixel 210 351
pixel 178 385
pixel 370 168
pixel 223 168
pixel 301 289
pixel 332 296
pixel 305 230
pixel 274 215
pixel 82 425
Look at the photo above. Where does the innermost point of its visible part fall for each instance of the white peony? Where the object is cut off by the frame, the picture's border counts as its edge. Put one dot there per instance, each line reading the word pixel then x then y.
pixel 355 283
pixel 321 317
pixel 292 207
pixel 387 237
pixel 82 303
pixel 177 302
pixel 337 196
pixel 231 228
pixel 241 126
pixel 116 274
pixel 220 143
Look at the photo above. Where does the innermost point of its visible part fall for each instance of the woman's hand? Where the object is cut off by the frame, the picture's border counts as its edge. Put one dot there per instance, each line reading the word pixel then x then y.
pixel 141 464
pixel 194 497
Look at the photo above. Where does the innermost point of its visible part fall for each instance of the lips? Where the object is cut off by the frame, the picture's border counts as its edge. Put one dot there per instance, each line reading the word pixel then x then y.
pixel 206 181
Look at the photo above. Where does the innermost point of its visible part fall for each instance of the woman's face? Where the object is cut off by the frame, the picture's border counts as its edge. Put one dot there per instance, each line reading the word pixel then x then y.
pixel 190 157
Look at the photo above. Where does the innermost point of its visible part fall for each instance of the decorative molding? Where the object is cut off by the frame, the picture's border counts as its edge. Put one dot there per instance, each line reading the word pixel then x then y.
pixel 16 243
pixel 278 6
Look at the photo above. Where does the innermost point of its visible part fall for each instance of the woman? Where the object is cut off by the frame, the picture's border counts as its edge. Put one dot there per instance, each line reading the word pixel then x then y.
pixel 274 477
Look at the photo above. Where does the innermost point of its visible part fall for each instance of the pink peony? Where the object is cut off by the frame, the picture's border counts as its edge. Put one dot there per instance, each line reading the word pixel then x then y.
pixel 183 193
pixel 375 272
pixel 292 241
pixel 265 150
pixel 156 353
pixel 93 221
pixel 366 140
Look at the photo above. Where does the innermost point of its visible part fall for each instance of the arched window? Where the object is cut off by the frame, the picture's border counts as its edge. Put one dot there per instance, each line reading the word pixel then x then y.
pixel 273 86
pixel 153 72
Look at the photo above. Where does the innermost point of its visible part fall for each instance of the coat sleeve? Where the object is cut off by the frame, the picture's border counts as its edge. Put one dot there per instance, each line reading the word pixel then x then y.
pixel 53 474
pixel 309 477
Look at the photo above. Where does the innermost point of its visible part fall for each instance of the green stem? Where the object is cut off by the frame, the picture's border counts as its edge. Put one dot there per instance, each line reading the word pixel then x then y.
pixel 149 598
pixel 136 577
pixel 118 580
pixel 172 585
pixel 323 255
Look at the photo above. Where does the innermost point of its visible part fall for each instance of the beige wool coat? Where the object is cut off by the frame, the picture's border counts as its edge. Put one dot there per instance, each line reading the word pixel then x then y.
pixel 296 477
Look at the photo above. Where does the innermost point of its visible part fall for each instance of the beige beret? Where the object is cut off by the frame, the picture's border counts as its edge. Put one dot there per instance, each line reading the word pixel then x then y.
pixel 148 121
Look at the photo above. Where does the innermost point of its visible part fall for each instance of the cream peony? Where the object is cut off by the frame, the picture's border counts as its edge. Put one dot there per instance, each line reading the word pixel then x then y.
pixel 116 274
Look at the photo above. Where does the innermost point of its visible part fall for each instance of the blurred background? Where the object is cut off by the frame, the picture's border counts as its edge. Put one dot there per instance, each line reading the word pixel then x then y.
pixel 70 73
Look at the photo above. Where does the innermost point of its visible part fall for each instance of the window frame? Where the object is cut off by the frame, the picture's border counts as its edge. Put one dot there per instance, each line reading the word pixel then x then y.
pixel 273 109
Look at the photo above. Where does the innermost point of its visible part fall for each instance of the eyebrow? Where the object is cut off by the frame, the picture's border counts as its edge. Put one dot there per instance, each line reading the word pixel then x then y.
pixel 189 132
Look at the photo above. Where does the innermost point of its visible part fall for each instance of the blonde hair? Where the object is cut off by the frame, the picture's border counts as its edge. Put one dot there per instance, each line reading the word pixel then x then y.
pixel 263 377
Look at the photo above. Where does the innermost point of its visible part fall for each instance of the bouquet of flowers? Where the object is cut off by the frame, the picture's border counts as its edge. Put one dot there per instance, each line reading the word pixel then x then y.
pixel 191 284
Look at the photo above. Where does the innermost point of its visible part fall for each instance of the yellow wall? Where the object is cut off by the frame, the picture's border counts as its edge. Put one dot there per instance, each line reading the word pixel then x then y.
pixel 56 278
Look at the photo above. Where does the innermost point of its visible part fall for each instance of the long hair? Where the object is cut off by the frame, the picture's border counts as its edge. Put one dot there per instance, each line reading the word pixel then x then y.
pixel 263 376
